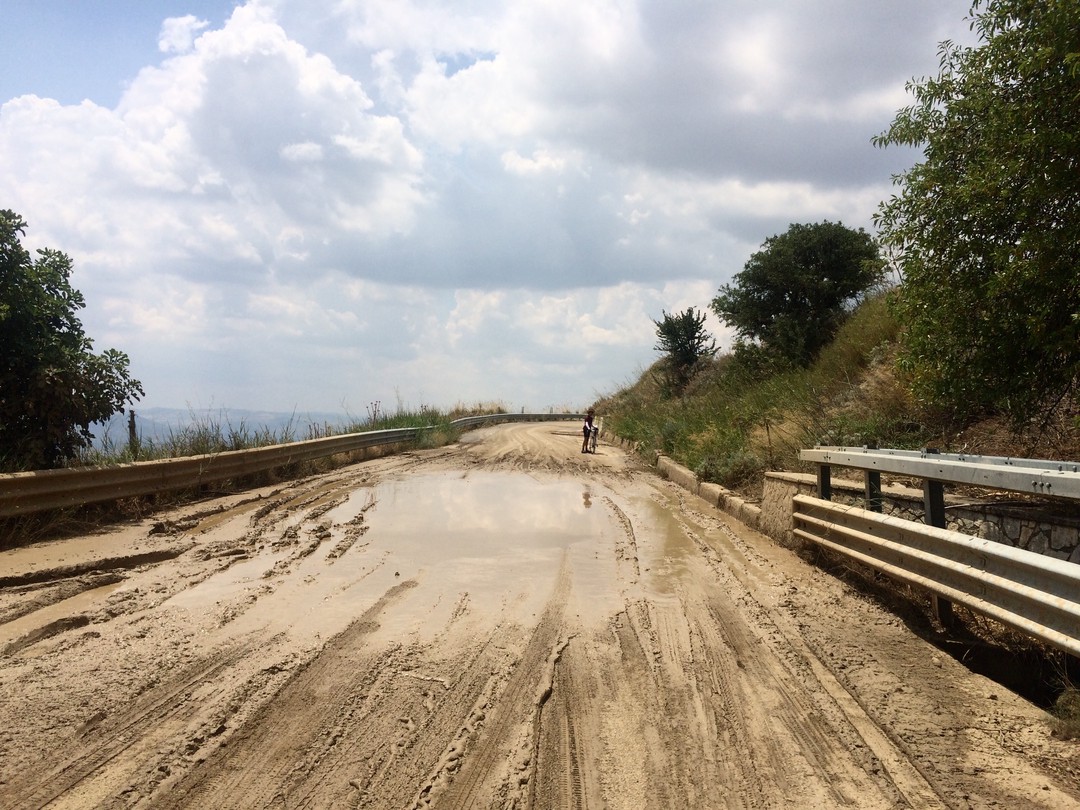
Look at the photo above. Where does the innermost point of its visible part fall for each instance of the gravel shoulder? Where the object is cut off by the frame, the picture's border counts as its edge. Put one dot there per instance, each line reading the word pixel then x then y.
pixel 504 622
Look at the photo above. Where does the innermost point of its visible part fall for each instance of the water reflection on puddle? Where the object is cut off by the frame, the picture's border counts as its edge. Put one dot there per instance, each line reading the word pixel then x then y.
pixel 435 518
pixel 500 538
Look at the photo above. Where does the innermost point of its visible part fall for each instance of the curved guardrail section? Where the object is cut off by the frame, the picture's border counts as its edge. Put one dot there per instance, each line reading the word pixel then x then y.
pixel 1035 594
pixel 29 492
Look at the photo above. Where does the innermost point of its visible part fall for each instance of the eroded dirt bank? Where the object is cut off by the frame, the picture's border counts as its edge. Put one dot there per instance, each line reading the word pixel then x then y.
pixel 501 623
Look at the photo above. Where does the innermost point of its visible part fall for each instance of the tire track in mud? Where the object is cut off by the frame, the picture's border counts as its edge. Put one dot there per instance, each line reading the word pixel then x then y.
pixel 883 754
pixel 129 737
pixel 271 754
pixel 809 737
pixel 733 691
pixel 193 530
pixel 104 740
pixel 41 589
pixel 405 728
pixel 560 775
pixel 299 493
pixel 504 760
pixel 626 551
pixel 828 722
pixel 729 735
pixel 361 725
pixel 97 566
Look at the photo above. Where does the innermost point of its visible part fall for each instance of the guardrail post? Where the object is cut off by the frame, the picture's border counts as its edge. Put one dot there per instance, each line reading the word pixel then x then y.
pixel 874 501
pixel 824 482
pixel 872 486
pixel 934 503
pixel 934 506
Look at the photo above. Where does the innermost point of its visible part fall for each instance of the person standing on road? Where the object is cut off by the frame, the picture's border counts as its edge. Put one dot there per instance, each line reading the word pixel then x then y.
pixel 587 430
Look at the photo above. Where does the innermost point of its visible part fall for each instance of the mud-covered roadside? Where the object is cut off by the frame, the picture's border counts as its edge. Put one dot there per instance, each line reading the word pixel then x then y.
pixel 501 623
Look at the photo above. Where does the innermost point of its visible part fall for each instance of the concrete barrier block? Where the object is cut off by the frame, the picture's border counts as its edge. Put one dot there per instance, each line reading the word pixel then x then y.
pixel 750 514
pixel 713 494
pixel 678 474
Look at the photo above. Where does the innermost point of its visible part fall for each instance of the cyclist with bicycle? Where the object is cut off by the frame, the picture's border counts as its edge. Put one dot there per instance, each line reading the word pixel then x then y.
pixel 587 429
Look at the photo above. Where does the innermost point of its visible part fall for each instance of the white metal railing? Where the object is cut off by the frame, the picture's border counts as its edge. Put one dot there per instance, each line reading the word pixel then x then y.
pixel 1036 594
pixel 29 492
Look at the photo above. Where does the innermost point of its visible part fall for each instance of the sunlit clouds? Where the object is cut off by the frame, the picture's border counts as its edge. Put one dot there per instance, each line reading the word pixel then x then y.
pixel 314 205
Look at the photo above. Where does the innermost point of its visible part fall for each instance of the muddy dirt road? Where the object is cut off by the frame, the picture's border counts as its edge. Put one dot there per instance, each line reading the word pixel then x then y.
pixel 500 623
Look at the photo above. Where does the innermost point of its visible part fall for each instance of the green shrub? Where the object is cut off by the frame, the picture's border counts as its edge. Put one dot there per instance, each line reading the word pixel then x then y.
pixel 732 470
pixel 1067 714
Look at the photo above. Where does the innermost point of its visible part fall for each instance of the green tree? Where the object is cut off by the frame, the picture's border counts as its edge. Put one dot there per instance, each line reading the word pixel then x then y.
pixel 52 385
pixel 986 229
pixel 793 294
pixel 684 339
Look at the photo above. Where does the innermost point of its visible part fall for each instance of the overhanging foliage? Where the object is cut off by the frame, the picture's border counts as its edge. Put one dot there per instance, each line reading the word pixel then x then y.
pixel 52 385
pixel 986 229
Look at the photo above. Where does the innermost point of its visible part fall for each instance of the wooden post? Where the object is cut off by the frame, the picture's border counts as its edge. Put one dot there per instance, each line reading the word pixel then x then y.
pixel 133 436
pixel 934 507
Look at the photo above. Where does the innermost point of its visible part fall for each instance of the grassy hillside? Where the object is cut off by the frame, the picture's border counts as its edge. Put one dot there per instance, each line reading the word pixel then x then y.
pixel 734 422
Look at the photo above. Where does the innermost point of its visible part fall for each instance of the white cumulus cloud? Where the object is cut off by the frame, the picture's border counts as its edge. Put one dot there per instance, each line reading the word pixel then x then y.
pixel 178 33
pixel 316 203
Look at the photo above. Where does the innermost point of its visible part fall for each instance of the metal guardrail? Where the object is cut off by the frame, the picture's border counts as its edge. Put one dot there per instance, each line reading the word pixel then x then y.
pixel 1005 461
pixel 1057 478
pixel 1033 593
pixel 29 492
pixel 467 422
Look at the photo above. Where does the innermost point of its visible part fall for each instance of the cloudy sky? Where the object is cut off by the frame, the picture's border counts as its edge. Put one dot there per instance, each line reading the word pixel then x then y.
pixel 312 205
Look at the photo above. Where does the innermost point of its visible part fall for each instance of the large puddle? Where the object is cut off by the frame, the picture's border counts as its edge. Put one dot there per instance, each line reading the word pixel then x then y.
pixel 479 547
pixel 480 544
pixel 432 519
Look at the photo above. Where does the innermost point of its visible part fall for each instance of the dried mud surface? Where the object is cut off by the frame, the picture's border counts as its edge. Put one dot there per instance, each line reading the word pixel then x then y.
pixel 502 623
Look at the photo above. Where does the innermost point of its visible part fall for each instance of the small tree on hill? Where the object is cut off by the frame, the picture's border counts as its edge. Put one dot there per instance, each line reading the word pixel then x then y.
pixel 794 293
pixel 986 229
pixel 685 341
pixel 52 385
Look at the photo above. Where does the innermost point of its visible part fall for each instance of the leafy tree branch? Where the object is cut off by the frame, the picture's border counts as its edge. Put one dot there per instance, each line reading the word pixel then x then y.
pixel 53 387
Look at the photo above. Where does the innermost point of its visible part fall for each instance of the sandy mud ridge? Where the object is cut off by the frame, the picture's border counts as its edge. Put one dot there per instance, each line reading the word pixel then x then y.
pixel 504 623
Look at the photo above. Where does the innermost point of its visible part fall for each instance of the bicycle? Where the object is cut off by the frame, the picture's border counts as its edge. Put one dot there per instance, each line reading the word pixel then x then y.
pixel 594 434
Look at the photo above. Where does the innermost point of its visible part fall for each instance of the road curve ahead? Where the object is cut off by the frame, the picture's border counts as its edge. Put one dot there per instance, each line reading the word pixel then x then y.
pixel 502 623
